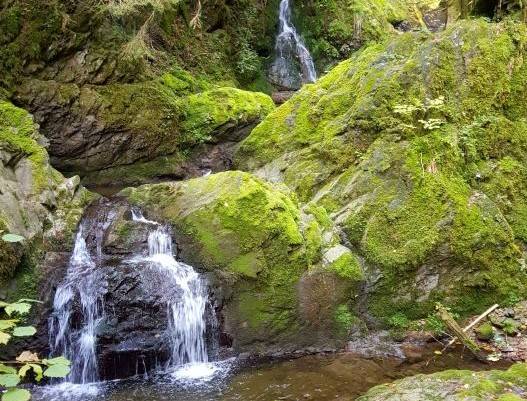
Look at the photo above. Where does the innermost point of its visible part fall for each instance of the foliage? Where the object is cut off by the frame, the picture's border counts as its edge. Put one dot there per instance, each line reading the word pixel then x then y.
pixel 12 237
pixel 13 372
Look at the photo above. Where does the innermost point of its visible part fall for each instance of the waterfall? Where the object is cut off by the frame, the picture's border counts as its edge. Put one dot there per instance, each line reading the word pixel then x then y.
pixel 293 64
pixel 186 314
pixel 79 302
pixel 78 344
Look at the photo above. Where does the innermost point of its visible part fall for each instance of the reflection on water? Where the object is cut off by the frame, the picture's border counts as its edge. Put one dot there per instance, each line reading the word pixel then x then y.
pixel 341 377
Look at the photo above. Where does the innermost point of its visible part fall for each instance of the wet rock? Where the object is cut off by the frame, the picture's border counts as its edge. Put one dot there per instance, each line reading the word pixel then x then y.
pixel 36 202
pixel 283 96
pixel 111 134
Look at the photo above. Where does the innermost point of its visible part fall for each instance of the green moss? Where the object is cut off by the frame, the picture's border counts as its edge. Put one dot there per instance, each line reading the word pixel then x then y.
pixel 335 28
pixel 347 266
pixel 208 112
pixel 313 238
pixel 19 136
pixel 454 384
pixel 485 331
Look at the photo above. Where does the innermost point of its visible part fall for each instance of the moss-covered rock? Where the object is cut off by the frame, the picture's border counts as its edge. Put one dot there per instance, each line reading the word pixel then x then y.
pixel 452 385
pixel 485 332
pixel 128 133
pixel 36 202
pixel 416 148
pixel 251 236
pixel 134 40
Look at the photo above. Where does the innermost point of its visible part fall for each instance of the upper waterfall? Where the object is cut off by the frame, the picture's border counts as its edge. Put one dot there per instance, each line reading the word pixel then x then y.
pixel 293 65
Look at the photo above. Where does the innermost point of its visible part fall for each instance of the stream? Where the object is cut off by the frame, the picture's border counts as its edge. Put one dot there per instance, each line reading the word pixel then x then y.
pixel 340 377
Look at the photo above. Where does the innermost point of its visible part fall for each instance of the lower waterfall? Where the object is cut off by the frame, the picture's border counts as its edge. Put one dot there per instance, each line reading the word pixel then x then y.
pixel 79 315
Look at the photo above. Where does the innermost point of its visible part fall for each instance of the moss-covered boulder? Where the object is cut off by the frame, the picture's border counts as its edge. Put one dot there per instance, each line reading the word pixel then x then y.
pixel 416 149
pixel 263 253
pixel 36 202
pixel 456 385
pixel 128 133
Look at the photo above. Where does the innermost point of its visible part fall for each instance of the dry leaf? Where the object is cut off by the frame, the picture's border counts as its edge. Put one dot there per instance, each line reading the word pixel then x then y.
pixel 27 356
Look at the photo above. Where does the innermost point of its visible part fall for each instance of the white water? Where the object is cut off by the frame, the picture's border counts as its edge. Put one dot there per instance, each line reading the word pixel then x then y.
pixel 78 344
pixel 74 334
pixel 186 314
pixel 289 41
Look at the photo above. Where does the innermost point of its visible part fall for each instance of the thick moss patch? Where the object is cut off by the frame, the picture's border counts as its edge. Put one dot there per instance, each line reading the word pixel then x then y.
pixel 417 150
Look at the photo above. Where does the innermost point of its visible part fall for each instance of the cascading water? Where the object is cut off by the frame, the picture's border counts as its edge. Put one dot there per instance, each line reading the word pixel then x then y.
pixel 83 282
pixel 186 315
pixel 293 64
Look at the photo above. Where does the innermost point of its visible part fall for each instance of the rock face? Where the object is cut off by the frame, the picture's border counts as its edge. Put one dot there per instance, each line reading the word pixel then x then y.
pixel 453 385
pixel 416 150
pixel 128 133
pixel 125 97
pixel 36 202
pixel 275 290
pixel 132 337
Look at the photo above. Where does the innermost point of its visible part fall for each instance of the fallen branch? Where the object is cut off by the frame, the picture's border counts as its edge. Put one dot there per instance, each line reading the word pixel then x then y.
pixel 476 321
pixel 455 329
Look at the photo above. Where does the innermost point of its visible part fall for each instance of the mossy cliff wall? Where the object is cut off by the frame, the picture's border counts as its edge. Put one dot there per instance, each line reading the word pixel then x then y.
pixel 416 149
pixel 36 202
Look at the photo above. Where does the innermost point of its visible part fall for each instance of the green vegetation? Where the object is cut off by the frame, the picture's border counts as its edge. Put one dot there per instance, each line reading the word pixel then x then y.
pixel 421 160
pixel 28 364
pixel 335 28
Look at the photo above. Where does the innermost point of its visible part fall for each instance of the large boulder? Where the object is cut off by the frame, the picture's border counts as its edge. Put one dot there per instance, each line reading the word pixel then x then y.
pixel 267 260
pixel 36 202
pixel 416 148
pixel 454 385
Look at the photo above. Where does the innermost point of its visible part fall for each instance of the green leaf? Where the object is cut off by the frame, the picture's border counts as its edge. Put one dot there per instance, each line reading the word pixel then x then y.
pixel 7 324
pixel 16 394
pixel 57 371
pixel 60 360
pixel 6 369
pixel 38 371
pixel 9 379
pixel 21 308
pixel 4 337
pixel 24 331
pixel 23 370
pixel 12 238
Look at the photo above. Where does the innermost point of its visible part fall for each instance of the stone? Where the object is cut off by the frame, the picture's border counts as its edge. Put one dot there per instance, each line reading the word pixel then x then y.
pixel 451 385
pixel 485 332
pixel 252 239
